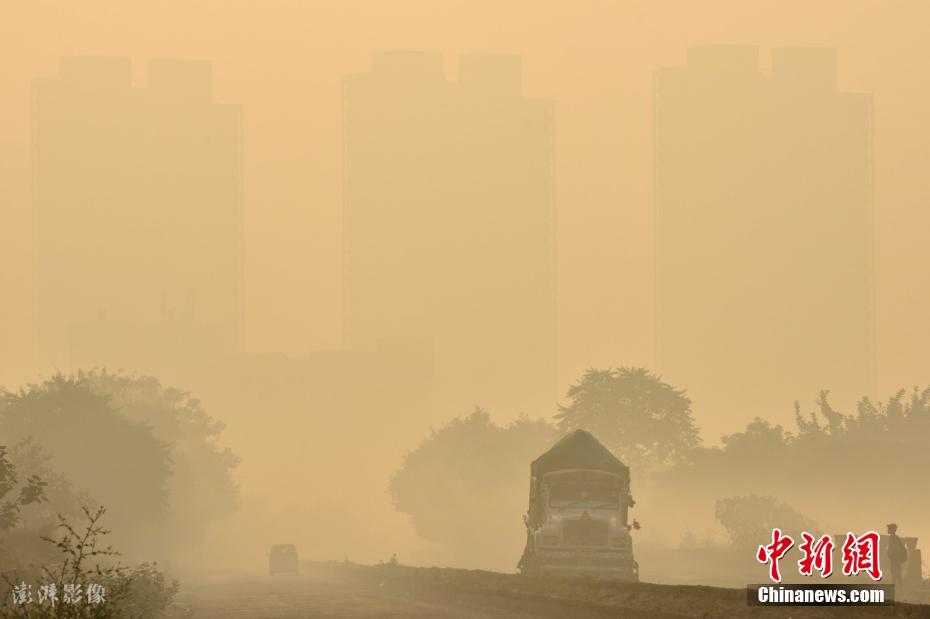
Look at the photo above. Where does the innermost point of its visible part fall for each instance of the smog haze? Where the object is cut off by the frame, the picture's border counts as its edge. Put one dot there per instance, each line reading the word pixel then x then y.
pixel 333 254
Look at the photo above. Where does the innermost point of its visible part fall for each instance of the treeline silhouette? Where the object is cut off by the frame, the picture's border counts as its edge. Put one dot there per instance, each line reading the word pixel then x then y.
pixel 155 458
pixel 466 485
pixel 846 471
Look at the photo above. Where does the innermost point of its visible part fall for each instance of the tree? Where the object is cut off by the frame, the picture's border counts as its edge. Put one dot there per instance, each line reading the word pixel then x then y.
pixel 201 488
pixel 901 418
pixel 765 445
pixel 466 485
pixel 117 461
pixel 642 419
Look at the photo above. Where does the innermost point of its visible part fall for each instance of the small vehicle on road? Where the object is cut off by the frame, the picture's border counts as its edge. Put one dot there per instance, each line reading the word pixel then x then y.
pixel 282 559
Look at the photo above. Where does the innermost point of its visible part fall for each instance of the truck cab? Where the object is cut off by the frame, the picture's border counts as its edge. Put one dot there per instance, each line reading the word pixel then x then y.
pixel 577 522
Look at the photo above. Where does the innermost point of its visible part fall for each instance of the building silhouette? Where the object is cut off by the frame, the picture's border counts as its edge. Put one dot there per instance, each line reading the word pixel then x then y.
pixel 448 224
pixel 137 202
pixel 764 230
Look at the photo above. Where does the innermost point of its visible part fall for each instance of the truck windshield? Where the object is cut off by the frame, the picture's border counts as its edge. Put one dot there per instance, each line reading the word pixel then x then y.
pixel 592 496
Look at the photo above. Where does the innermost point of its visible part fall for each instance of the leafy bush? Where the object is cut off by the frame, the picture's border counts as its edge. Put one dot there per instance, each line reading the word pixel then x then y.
pixel 749 520
pixel 13 497
pixel 139 591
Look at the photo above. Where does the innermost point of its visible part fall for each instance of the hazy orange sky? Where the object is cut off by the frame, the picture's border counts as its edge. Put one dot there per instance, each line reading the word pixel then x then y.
pixel 284 62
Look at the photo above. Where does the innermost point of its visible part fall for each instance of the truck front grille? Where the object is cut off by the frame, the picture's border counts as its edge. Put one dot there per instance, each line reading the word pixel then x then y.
pixel 585 532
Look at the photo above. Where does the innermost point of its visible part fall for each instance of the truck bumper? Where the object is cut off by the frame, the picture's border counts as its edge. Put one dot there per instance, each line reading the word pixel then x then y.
pixel 603 565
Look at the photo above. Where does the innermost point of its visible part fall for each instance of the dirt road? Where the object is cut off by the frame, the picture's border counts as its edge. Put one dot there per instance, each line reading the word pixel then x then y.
pixel 326 596
pixel 348 591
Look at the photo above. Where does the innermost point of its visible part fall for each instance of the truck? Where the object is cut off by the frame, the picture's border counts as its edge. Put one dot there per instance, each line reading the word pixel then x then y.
pixel 577 521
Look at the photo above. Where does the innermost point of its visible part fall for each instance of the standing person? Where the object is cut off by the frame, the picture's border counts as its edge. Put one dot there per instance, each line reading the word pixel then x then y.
pixel 897 553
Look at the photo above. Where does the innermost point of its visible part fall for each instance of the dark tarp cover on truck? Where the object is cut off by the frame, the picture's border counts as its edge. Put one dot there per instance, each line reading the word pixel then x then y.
pixel 579 450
